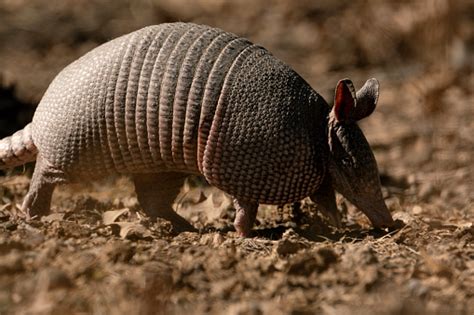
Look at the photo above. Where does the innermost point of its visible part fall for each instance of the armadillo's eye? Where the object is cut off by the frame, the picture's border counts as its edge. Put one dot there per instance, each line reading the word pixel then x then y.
pixel 347 161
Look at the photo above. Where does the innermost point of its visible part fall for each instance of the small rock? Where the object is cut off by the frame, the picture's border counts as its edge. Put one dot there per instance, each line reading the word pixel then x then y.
pixel 47 252
pixel 411 179
pixel 447 194
pixel 417 209
pixel 55 279
pixel 438 267
pixel 6 245
pixel 118 251
pixel 368 276
pixel 29 235
pixel 307 262
pixel 218 239
pixel 426 191
pixel 405 217
pixel 417 288
pixel 11 226
pixel 223 288
pixel 288 247
pixel 359 256
pixel 247 308
pixel 11 263
pixel 213 240
pixel 290 243
pixel 206 239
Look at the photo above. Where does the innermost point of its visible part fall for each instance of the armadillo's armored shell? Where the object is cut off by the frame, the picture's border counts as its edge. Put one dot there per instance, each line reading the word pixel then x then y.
pixel 189 98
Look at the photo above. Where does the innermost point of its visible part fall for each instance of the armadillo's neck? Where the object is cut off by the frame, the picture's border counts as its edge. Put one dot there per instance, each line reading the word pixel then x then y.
pixel 328 121
pixel 322 142
pixel 325 111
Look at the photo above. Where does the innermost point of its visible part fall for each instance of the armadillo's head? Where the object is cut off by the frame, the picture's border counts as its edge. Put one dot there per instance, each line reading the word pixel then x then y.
pixel 353 169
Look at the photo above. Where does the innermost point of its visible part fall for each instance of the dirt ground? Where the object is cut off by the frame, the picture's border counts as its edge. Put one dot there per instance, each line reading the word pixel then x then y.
pixel 98 254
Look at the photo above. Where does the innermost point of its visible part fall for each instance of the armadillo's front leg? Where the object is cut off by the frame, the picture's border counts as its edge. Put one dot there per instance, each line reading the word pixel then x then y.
pixel 45 178
pixel 325 197
pixel 245 215
pixel 156 193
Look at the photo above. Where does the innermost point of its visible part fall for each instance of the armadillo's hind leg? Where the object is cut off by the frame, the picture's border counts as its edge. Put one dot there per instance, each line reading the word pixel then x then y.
pixel 38 199
pixel 156 193
pixel 245 215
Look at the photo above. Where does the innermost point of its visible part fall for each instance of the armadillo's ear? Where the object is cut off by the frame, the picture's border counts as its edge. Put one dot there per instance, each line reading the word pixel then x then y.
pixel 344 100
pixel 367 98
pixel 352 106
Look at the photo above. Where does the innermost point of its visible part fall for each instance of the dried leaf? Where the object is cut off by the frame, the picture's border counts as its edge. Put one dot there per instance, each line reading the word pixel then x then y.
pixel 109 217
pixel 133 230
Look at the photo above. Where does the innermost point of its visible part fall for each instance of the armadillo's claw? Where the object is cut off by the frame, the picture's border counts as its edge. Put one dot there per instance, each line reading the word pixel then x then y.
pixel 181 225
pixel 333 215
pixel 37 202
pixel 156 193
pixel 397 225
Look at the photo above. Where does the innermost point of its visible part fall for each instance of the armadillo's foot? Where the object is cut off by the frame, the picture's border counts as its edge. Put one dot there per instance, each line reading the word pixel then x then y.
pixel 37 202
pixel 245 214
pixel 156 194
pixel 325 198
pixel 179 223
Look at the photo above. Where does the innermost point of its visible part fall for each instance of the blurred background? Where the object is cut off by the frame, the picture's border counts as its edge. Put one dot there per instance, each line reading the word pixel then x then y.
pixel 425 47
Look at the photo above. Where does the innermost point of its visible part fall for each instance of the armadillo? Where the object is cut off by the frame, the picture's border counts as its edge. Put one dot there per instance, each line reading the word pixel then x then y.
pixel 176 99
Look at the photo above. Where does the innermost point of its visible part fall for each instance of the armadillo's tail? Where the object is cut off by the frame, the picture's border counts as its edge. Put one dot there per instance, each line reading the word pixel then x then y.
pixel 17 149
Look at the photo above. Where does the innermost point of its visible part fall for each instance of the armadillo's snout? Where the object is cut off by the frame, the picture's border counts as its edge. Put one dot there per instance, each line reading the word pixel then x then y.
pixel 379 215
pixel 382 219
